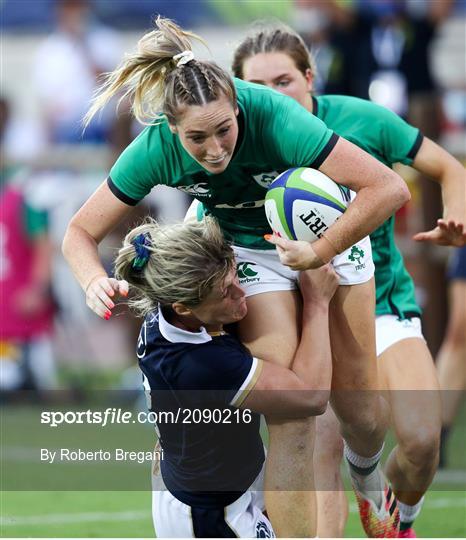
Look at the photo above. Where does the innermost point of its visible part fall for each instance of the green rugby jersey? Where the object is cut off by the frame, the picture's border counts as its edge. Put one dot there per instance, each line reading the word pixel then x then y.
pixel 390 139
pixel 275 133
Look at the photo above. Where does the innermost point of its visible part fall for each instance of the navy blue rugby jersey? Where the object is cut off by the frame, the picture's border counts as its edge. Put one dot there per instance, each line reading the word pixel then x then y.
pixel 212 451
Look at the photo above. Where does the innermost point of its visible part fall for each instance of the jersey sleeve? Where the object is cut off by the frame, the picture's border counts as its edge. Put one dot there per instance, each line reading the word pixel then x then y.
pixel 300 138
pixel 229 373
pixel 135 172
pixel 400 140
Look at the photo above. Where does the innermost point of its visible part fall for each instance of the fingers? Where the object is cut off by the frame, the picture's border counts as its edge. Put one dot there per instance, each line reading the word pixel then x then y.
pixel 454 227
pixel 278 241
pixel 123 287
pixel 425 236
pixel 98 299
pixel 282 245
pixel 100 292
pixel 296 254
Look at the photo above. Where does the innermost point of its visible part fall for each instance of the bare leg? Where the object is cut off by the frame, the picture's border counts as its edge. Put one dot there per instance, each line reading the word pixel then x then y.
pixel 271 331
pixel 359 406
pixel 289 481
pixel 332 504
pixel 355 398
pixel 451 362
pixel 407 371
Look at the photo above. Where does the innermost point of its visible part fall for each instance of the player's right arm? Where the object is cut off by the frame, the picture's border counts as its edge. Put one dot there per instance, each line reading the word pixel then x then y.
pixel 131 178
pixel 303 390
pixel 89 226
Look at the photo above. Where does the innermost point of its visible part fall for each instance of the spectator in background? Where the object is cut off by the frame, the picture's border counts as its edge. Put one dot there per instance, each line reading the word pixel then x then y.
pixel 66 68
pixel 27 308
pixel 379 50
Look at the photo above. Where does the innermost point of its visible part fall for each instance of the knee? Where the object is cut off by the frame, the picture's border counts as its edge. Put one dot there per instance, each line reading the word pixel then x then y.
pixel 421 447
pixel 364 422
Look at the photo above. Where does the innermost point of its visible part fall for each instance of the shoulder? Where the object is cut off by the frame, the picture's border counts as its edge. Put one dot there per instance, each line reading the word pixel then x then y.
pixel 148 152
pixel 354 105
pixel 151 137
pixel 148 336
pixel 351 111
pixel 220 364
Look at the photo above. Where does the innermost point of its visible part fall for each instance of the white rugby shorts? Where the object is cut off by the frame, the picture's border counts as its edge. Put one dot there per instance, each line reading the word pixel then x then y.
pixel 244 517
pixel 261 270
pixel 389 329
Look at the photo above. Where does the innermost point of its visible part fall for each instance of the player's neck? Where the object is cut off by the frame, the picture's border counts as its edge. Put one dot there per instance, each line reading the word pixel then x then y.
pixel 193 324
pixel 308 103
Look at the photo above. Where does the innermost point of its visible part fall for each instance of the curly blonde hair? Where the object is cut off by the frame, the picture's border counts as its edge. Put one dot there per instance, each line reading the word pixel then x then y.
pixel 184 262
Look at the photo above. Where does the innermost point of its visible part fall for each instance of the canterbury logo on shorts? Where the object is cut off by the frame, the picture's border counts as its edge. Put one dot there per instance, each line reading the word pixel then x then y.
pixel 246 272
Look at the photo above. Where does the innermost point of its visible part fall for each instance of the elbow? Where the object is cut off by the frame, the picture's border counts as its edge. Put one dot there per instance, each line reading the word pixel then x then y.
pixel 317 403
pixel 400 193
pixel 404 193
pixel 68 246
pixel 65 245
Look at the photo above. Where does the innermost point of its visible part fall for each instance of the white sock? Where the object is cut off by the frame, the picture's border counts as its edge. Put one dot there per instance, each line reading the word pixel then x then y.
pixel 371 485
pixel 362 461
pixel 409 513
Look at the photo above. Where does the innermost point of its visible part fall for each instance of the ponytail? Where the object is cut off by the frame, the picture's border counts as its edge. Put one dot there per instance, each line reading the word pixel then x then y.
pixel 160 76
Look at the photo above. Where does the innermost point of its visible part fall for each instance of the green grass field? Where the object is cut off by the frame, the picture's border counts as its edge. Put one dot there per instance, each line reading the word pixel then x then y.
pixel 94 514
pixel 127 514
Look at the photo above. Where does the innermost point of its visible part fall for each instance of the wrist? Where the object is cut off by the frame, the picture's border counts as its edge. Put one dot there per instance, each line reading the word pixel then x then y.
pixel 316 303
pixel 324 249
pixel 92 279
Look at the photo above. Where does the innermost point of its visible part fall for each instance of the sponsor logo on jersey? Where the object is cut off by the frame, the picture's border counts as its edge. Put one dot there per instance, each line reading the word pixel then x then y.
pixel 246 274
pixel 243 205
pixel 266 178
pixel 356 256
pixel 198 190
pixel 263 530
pixel 314 223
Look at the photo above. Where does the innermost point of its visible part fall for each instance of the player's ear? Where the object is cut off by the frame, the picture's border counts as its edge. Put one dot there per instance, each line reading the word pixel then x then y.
pixel 181 309
pixel 172 128
pixel 309 76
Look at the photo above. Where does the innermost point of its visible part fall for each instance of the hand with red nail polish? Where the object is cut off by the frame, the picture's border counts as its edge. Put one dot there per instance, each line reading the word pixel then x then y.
pixel 101 290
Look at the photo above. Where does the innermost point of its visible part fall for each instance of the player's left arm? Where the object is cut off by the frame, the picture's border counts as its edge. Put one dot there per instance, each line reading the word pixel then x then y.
pixel 435 162
pixel 380 192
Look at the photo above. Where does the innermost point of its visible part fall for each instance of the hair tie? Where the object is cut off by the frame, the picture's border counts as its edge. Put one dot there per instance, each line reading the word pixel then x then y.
pixel 183 58
pixel 141 244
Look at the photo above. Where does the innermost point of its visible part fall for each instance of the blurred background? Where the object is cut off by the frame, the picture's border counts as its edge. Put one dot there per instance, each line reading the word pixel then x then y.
pixel 408 55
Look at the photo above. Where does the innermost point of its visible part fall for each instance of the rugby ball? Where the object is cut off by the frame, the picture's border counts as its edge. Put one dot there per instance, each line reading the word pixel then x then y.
pixel 302 203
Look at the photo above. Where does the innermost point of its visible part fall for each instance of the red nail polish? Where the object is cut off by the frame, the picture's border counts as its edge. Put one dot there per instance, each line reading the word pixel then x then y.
pixel 107 315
